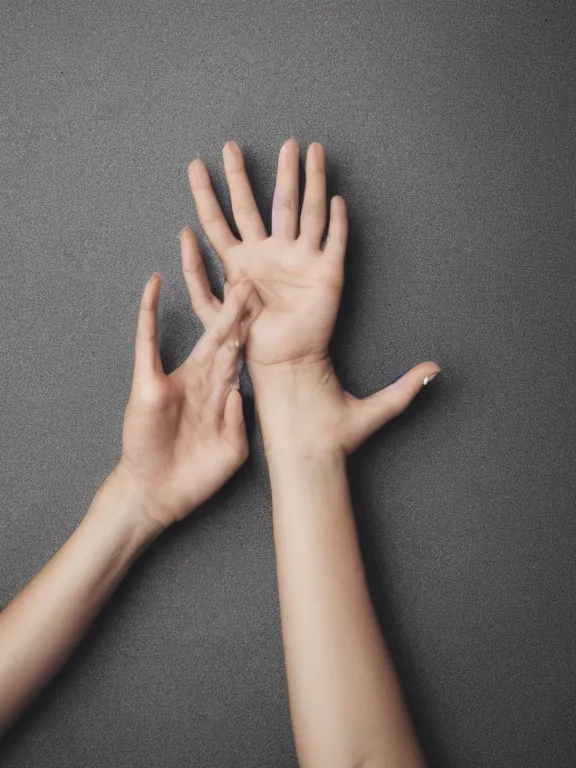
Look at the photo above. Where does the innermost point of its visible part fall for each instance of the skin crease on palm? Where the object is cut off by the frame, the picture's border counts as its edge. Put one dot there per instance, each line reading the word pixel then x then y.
pixel 299 279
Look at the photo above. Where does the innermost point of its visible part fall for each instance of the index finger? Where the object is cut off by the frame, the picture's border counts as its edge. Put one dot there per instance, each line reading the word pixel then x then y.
pixel 228 327
pixel 210 214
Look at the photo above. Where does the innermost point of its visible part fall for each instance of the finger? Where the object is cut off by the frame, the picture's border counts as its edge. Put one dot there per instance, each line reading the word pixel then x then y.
pixel 244 208
pixel 203 301
pixel 313 216
pixel 285 200
pixel 147 354
pixel 210 214
pixel 227 319
pixel 227 363
pixel 335 246
pixel 228 358
pixel 234 424
pixel 371 413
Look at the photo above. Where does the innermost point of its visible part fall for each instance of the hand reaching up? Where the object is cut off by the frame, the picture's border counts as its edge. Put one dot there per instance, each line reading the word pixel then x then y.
pixel 299 283
pixel 184 434
pixel 299 280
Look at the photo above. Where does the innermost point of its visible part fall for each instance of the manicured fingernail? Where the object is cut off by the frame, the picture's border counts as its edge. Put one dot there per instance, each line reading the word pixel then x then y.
pixel 430 377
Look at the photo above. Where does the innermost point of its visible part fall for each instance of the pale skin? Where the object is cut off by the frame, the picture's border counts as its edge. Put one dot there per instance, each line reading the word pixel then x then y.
pixel 346 704
pixel 183 437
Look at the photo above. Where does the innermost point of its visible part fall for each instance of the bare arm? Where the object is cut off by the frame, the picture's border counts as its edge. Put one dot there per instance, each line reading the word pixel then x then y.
pixel 43 624
pixel 346 704
pixel 183 437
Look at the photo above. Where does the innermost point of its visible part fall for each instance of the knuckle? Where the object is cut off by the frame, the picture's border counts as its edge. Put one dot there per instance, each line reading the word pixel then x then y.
pixel 313 209
pixel 286 203
pixel 239 170
pixel 208 219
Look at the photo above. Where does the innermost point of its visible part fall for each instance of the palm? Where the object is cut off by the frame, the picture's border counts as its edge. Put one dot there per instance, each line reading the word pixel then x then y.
pixel 298 281
pixel 177 448
pixel 184 434
pixel 300 293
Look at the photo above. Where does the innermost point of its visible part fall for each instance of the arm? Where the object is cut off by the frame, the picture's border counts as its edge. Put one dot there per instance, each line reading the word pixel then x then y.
pixel 346 704
pixel 40 628
pixel 183 437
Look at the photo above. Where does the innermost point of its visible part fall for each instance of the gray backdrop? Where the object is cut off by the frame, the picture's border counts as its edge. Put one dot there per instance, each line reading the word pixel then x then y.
pixel 449 129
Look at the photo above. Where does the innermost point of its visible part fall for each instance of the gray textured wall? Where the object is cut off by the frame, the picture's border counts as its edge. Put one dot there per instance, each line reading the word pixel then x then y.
pixel 449 129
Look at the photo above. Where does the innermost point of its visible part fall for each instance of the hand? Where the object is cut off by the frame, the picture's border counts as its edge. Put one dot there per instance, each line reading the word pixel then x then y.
pixel 299 280
pixel 184 434
pixel 299 283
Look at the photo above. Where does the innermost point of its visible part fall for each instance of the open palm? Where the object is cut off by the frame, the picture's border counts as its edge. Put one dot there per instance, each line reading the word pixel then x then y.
pixel 298 281
pixel 299 277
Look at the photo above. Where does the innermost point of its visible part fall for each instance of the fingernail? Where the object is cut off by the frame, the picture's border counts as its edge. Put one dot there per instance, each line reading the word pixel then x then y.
pixel 430 377
pixel 182 231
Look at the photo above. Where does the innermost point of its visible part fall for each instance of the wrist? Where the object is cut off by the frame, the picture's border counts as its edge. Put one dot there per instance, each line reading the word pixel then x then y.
pixel 298 407
pixel 121 503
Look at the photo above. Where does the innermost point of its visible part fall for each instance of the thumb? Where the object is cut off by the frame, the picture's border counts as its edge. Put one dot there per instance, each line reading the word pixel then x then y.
pixel 371 413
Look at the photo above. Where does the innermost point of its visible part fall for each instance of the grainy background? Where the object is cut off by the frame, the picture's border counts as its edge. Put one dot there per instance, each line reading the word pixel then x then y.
pixel 449 129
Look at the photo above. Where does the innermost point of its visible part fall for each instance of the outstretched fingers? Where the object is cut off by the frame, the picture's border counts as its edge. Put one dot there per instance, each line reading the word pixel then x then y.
pixel 335 246
pixel 203 301
pixel 210 214
pixel 286 193
pixel 313 214
pixel 246 213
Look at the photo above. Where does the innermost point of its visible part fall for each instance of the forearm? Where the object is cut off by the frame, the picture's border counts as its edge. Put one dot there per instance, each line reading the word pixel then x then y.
pixel 43 624
pixel 347 707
